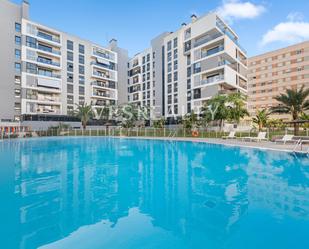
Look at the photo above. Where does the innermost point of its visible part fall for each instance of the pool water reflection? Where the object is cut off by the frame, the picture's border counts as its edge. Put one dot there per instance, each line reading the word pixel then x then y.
pixel 122 193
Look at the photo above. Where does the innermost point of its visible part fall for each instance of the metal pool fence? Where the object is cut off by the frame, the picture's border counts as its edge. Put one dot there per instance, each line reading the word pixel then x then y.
pixel 146 132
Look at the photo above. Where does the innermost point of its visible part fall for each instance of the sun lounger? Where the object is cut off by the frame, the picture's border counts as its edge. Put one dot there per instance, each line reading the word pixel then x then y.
pixel 230 136
pixel 286 138
pixel 260 137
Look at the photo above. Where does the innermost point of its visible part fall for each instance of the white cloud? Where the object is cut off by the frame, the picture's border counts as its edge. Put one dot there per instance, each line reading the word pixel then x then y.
pixel 291 31
pixel 234 9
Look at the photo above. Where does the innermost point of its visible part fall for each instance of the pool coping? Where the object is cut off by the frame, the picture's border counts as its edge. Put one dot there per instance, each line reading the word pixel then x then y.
pixel 216 141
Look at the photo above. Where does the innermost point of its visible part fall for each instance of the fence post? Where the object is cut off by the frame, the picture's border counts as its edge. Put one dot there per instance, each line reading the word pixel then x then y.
pixel 164 132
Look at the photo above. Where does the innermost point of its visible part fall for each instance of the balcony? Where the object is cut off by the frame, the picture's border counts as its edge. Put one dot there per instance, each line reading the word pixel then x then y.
pixel 47 49
pixel 103 54
pixel 48 62
pixel 214 79
pixel 103 84
pixel 110 67
pixel 48 74
pixel 48 37
pixel 212 51
pixel 206 38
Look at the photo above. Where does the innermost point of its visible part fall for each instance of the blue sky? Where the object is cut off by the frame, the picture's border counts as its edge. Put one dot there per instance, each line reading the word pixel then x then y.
pixel 261 25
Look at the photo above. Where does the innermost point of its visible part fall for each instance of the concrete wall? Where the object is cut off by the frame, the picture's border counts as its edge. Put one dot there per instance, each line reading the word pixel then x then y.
pixel 9 13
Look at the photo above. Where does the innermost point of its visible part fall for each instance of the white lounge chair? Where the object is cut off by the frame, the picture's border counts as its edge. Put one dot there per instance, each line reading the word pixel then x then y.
pixel 286 138
pixel 260 137
pixel 231 135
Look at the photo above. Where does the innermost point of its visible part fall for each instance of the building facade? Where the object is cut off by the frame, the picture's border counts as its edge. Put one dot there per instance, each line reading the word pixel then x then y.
pixel 53 71
pixel 50 72
pixel 202 59
pixel 270 74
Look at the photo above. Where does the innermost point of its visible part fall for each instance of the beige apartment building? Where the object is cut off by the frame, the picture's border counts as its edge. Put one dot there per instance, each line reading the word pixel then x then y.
pixel 270 74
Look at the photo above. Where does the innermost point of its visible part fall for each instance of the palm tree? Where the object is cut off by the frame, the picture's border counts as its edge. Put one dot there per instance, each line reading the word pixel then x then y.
pixel 84 112
pixel 293 102
pixel 236 107
pixel 216 109
pixel 190 121
pixel 261 118
pixel 159 123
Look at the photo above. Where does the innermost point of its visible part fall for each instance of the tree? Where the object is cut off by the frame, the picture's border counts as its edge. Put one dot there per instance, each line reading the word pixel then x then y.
pixel 293 102
pixel 159 123
pixel 236 107
pixel 305 117
pixel 190 121
pixel 84 112
pixel 216 109
pixel 261 118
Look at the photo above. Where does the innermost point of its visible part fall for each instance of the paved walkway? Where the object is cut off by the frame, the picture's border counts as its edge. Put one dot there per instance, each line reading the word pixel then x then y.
pixel 266 145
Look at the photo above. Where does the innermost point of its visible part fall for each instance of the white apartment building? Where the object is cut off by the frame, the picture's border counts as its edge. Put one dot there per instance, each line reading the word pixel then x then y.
pixel 187 67
pixel 55 71
pixel 203 59
pixel 47 73
pixel 140 79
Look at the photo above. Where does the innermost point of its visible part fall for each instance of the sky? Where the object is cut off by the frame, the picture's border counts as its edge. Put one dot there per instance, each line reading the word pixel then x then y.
pixel 261 25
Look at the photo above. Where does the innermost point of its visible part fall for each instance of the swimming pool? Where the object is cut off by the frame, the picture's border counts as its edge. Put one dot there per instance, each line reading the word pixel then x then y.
pixel 118 193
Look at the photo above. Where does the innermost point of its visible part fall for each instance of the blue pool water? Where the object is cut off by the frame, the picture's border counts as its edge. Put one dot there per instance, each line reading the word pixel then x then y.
pixel 97 193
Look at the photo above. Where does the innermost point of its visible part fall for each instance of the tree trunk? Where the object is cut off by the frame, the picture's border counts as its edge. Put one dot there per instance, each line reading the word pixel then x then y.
pixel 84 124
pixel 260 126
pixel 296 129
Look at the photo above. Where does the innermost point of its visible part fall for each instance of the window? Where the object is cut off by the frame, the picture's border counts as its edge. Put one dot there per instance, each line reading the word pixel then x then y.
pixel 30 42
pixel 175 54
pixel 169 45
pixel 17 67
pixel 81 90
pixel 81 69
pixel 70 67
pixel 81 59
pixel 17 40
pixel 175 65
pixel 169 88
pixel 17 54
pixel 148 57
pixel 169 99
pixel 81 48
pixel 175 76
pixel 70 99
pixel 81 79
pixel 144 59
pixel 169 78
pixel 197 67
pixel 169 67
pixel 69 77
pixel 69 56
pixel 69 45
pixel 31 68
pixel 69 88
pixel 169 56
pixel 17 80
pixel 176 109
pixel 175 42
pixel 17 27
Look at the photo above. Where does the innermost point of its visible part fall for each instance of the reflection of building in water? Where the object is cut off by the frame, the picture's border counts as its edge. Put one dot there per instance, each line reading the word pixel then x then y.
pixel 276 183
pixel 184 190
pixel 198 192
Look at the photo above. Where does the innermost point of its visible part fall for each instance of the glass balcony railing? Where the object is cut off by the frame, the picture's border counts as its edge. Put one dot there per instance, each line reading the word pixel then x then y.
pixel 110 67
pixel 103 55
pixel 48 74
pixel 45 61
pixel 49 50
pixel 206 39
pixel 211 51
pixel 48 37
pixel 103 84
pixel 102 94
pixel 214 79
